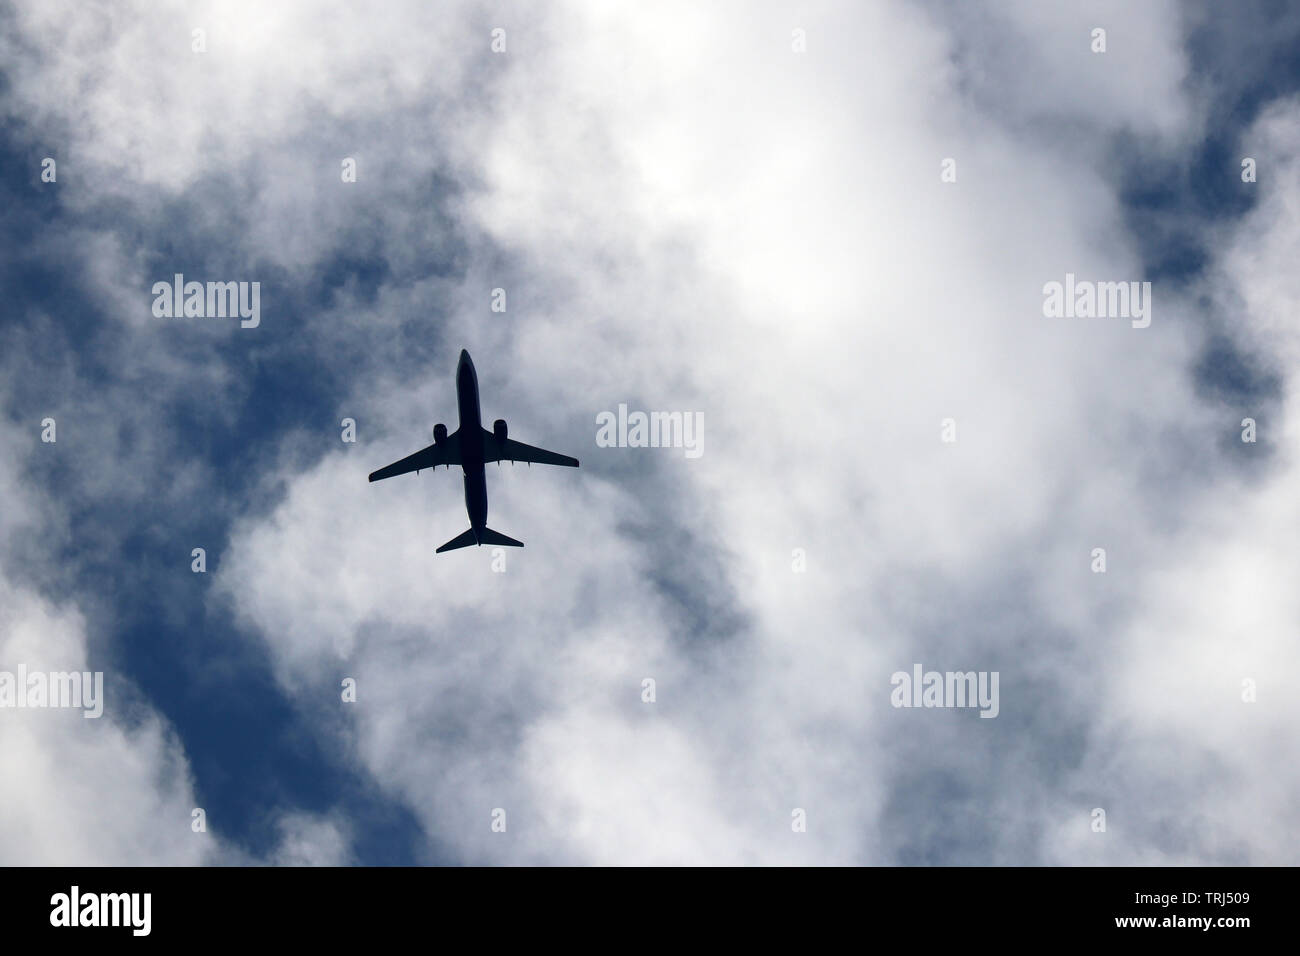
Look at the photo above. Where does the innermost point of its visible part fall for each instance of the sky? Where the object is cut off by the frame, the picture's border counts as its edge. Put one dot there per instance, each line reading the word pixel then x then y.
pixel 824 229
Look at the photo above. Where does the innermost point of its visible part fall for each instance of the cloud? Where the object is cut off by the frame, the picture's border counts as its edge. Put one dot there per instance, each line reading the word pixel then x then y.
pixel 1217 618
pixel 764 237
pixel 311 841
pixel 689 215
pixel 79 791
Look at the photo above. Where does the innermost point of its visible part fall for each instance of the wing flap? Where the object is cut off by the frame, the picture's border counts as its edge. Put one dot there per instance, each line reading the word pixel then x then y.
pixel 446 453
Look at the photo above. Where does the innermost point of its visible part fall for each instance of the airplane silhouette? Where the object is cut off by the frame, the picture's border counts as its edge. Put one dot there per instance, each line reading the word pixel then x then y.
pixel 471 446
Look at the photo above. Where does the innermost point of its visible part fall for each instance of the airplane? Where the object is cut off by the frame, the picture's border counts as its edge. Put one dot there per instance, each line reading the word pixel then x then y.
pixel 471 446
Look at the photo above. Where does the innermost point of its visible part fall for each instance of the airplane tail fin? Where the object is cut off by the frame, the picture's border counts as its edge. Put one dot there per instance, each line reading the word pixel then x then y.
pixel 486 536
pixel 489 536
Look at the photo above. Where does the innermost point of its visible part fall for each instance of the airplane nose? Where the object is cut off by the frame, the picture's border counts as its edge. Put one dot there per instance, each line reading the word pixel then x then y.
pixel 464 355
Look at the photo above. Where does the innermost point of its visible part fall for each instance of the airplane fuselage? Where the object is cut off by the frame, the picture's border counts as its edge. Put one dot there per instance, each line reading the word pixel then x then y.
pixel 471 443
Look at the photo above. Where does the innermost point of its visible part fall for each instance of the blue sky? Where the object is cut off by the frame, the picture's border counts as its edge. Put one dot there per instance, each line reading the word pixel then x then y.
pixel 686 214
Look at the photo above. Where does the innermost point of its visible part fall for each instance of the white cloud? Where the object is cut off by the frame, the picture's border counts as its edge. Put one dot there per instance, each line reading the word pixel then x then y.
pixel 1221 609
pixel 719 224
pixel 308 840
pixel 76 790
pixel 691 216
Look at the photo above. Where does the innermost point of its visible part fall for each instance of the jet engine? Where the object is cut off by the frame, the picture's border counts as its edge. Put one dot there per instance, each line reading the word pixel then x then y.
pixel 439 433
pixel 499 429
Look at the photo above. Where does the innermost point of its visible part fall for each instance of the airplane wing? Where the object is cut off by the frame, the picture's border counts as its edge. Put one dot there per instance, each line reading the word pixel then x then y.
pixel 447 453
pixel 511 450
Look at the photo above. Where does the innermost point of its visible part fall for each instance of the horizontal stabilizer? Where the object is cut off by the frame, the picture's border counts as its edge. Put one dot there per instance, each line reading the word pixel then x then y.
pixel 488 536
pixel 485 536
pixel 460 541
